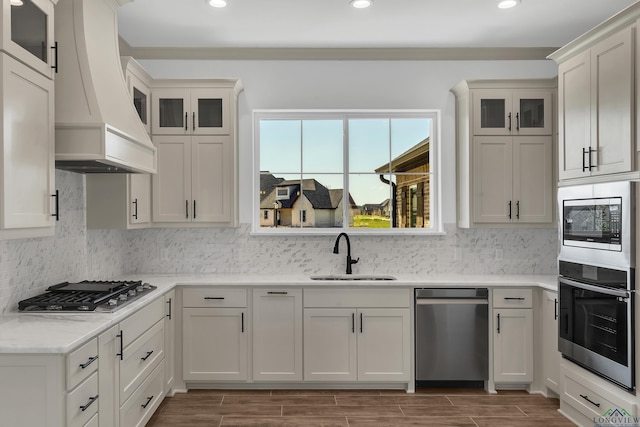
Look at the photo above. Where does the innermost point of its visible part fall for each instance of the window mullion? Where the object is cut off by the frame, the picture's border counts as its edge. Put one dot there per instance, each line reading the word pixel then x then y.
pixel 345 173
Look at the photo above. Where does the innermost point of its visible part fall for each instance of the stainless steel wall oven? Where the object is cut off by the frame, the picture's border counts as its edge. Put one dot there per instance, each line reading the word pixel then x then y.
pixel 596 282
pixel 596 318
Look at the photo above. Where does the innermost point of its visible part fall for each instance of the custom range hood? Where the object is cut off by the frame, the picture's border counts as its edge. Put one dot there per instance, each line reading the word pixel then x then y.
pixel 97 127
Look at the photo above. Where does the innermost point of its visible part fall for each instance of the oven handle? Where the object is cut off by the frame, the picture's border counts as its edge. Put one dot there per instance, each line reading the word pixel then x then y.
pixel 601 289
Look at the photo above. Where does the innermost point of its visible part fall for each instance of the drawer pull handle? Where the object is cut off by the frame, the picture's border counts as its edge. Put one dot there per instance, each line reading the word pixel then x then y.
pixel 213 297
pixel 144 405
pixel 149 353
pixel 89 362
pixel 514 298
pixel 590 401
pixel 89 403
pixel 277 293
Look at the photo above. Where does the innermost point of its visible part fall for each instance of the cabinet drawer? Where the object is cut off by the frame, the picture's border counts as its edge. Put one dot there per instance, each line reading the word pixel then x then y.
pixel 145 400
pixel 591 399
pixel 82 403
pixel 140 358
pixel 354 298
pixel 133 326
pixel 512 298
pixel 214 297
pixel 81 363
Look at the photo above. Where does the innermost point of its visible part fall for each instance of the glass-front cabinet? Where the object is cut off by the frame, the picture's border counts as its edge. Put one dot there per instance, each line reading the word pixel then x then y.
pixel 27 33
pixel 190 112
pixel 505 112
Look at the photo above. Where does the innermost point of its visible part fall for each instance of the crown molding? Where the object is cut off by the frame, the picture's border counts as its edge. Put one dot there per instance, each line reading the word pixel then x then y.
pixel 339 54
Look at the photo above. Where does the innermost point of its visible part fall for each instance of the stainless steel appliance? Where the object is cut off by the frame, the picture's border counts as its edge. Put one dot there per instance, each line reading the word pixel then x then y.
pixel 452 337
pixel 101 296
pixel 597 278
pixel 597 224
pixel 596 320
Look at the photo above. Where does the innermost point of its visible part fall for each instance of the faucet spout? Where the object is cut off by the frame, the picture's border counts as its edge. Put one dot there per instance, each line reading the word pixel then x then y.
pixel 336 249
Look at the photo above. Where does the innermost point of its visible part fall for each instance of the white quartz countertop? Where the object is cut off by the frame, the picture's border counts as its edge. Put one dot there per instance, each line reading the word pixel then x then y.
pixel 44 333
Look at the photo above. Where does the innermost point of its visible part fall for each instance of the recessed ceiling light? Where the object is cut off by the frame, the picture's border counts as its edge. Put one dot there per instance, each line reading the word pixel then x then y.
pixel 217 3
pixel 508 4
pixel 361 4
pixel 16 2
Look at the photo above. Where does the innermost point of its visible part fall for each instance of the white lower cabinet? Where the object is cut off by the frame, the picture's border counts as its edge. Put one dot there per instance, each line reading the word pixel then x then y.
pixel 50 390
pixel 330 344
pixel 277 334
pixel 214 334
pixel 551 357
pixel 512 336
pixel 587 399
pixel 170 340
pixel 131 373
pixel 369 341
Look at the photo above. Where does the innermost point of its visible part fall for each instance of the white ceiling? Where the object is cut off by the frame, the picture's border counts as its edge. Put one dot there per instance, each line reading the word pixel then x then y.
pixel 334 24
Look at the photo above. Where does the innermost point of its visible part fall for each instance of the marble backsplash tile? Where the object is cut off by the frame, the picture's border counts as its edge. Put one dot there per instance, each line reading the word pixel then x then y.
pixel 210 250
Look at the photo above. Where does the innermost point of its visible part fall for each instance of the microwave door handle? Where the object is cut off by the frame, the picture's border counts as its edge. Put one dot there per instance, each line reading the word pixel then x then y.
pixel 602 290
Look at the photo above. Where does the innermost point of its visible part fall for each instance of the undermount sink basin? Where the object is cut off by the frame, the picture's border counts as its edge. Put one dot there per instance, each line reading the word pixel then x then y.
pixel 346 277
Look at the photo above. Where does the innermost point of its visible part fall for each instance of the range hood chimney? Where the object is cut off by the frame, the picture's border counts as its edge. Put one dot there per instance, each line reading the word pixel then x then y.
pixel 97 127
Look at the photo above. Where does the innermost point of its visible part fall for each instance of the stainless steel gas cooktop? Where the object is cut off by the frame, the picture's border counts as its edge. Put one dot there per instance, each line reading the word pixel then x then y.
pixel 99 296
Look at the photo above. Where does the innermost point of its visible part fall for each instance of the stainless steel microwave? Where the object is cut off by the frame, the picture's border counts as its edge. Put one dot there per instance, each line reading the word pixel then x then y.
pixel 597 223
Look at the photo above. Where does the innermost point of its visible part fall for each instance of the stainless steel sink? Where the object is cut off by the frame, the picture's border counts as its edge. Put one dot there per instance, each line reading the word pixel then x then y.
pixel 346 277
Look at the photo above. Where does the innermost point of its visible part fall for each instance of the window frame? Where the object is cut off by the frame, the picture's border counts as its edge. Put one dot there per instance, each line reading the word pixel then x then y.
pixel 435 214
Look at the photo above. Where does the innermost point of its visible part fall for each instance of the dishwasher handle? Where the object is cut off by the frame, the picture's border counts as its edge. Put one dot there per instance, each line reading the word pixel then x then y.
pixel 450 301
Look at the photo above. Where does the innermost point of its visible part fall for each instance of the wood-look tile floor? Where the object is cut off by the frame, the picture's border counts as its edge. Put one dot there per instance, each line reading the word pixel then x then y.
pixel 328 408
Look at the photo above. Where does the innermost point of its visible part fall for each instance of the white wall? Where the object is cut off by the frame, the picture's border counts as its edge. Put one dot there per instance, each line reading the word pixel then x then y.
pixel 349 85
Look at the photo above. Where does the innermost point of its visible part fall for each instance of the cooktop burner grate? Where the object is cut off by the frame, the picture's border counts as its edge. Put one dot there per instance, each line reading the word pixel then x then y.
pixel 104 296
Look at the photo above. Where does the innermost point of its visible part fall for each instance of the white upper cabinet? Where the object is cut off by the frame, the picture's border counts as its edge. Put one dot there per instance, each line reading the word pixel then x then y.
pixel 27 194
pixel 197 111
pixel 118 201
pixel 505 152
pixel 27 34
pixel 138 84
pixel 512 112
pixel 597 98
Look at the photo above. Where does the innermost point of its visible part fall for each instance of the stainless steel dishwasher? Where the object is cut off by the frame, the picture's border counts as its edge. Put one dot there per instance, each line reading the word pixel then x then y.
pixel 452 337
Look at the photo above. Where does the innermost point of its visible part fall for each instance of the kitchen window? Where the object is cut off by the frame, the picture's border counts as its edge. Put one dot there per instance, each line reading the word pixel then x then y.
pixel 368 172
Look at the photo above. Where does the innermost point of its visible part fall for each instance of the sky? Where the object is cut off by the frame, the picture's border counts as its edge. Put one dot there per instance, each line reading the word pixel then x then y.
pixel 314 149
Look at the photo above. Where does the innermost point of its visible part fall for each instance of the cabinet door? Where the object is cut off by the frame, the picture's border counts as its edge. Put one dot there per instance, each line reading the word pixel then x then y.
pixel 172 183
pixel 211 179
pixel 533 112
pixel 27 34
pixel 141 96
pixel 28 146
pixel 551 357
pixel 532 176
pixel 612 106
pixel 109 346
pixel 277 335
pixel 512 346
pixel 492 113
pixel 574 124
pixel 383 344
pixel 210 112
pixel 170 109
pixel 214 344
pixel 330 344
pixel 492 173
pixel 169 340
pixel 140 198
